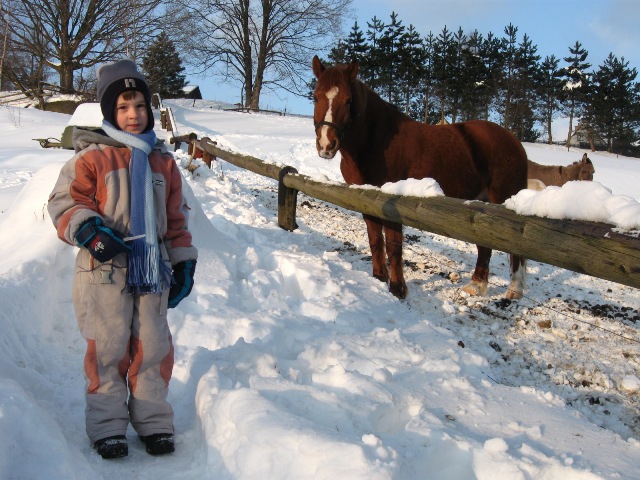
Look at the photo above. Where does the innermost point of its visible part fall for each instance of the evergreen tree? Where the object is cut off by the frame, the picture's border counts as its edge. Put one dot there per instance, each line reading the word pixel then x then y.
pixel 508 52
pixel 613 109
pixel 444 52
pixel 163 68
pixel 576 84
pixel 491 54
pixel 391 50
pixel 376 56
pixel 339 54
pixel 412 67
pixel 422 105
pixel 353 48
pixel 526 87
pixel 550 92
pixel 458 78
pixel 356 46
pixel 475 79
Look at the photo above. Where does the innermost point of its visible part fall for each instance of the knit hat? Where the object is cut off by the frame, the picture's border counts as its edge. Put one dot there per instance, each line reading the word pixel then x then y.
pixel 115 78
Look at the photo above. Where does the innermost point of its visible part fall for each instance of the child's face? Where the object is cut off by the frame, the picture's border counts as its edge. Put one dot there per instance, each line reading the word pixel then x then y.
pixel 131 114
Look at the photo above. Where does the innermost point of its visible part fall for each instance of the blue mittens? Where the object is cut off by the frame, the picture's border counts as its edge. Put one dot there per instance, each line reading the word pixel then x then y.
pixel 183 275
pixel 102 242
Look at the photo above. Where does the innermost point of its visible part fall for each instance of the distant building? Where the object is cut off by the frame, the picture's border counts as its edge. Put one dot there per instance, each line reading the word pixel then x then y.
pixel 582 135
pixel 192 91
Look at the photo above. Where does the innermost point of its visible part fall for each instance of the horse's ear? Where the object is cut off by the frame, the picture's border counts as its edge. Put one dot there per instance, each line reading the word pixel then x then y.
pixel 318 67
pixel 353 69
pixel 585 159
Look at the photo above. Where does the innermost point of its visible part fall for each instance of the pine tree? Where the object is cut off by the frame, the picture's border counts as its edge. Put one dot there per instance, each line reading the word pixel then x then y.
pixel 614 99
pixel 376 56
pixel 525 94
pixel 422 104
pixel 550 92
pixel 475 75
pixel 443 61
pixel 391 49
pixel 356 45
pixel 458 79
pixel 576 84
pixel 163 68
pixel 494 61
pixel 412 67
pixel 508 52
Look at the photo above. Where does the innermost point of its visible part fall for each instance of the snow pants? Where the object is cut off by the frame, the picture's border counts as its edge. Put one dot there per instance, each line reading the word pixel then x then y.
pixel 129 357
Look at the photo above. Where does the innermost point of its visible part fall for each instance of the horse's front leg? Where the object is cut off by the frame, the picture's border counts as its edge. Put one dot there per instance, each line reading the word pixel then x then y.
pixel 393 238
pixel 376 243
pixel 480 278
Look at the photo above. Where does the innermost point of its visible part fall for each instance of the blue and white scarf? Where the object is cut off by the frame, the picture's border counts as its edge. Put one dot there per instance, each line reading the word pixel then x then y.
pixel 145 265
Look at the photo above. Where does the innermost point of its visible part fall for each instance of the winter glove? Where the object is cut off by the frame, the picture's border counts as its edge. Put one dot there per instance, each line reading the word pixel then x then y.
pixel 102 242
pixel 183 276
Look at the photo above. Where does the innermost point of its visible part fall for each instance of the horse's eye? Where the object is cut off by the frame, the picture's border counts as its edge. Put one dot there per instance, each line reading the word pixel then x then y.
pixel 315 99
pixel 348 101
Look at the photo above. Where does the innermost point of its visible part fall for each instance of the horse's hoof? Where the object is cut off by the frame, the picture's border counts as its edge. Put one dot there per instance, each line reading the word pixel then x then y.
pixel 382 278
pixel 513 294
pixel 398 290
pixel 477 289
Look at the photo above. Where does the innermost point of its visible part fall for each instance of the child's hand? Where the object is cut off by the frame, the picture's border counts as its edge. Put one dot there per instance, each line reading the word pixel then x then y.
pixel 183 276
pixel 102 242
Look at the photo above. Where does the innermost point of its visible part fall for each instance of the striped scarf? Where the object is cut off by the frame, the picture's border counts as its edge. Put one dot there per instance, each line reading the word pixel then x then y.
pixel 145 266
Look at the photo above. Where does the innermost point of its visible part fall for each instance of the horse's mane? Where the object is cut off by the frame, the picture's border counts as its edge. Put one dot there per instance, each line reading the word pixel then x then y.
pixel 363 95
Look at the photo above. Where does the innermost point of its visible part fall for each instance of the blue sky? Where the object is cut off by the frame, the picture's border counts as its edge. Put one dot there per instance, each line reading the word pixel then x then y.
pixel 601 26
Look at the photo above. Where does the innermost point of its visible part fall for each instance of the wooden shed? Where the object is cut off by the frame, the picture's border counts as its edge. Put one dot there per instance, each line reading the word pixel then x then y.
pixel 192 91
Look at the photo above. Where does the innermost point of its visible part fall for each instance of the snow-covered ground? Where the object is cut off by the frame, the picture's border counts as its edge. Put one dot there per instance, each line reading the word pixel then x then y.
pixel 292 362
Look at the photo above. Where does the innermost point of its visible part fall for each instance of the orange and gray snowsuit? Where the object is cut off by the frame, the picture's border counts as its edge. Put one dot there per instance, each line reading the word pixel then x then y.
pixel 128 338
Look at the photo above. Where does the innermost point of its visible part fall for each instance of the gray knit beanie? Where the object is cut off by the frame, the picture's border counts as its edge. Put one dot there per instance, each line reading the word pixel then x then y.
pixel 115 78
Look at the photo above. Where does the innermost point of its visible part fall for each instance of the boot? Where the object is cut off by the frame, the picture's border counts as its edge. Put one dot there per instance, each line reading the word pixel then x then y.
pixel 159 443
pixel 112 447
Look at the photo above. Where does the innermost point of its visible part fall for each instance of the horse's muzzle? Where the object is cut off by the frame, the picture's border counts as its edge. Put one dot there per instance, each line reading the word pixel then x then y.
pixel 327 151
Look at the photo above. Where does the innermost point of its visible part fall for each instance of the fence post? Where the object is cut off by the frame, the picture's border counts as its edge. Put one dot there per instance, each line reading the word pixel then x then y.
pixel 207 157
pixel 287 199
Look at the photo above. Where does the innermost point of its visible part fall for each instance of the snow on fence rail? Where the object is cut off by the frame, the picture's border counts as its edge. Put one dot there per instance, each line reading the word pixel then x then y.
pixel 591 248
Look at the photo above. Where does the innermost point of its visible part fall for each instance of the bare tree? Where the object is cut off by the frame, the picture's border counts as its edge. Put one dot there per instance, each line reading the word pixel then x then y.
pixel 258 43
pixel 4 18
pixel 79 34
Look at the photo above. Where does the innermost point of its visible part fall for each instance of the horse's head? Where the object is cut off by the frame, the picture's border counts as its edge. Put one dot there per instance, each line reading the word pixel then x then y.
pixel 332 111
pixel 587 169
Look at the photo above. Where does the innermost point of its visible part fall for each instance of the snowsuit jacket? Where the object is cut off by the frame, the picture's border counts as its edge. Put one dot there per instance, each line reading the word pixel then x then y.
pixel 129 357
pixel 95 182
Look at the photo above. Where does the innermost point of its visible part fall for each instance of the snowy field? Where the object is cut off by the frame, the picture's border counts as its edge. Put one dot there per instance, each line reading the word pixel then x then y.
pixel 293 362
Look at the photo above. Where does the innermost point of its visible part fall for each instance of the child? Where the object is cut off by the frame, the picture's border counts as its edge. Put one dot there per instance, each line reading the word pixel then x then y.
pixel 120 200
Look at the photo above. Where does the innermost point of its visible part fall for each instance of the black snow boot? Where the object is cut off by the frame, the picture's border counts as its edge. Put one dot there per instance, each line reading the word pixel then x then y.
pixel 159 443
pixel 112 447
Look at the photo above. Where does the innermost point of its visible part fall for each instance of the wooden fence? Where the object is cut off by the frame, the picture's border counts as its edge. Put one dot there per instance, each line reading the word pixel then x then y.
pixel 590 248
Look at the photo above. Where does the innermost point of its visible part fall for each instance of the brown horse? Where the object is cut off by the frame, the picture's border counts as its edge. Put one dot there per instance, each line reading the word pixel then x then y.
pixel 475 160
pixel 557 175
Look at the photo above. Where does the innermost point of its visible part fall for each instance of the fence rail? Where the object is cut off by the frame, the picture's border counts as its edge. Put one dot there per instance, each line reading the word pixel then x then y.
pixel 594 249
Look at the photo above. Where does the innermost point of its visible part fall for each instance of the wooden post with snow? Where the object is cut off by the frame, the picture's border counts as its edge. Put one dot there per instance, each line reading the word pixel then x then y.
pixel 591 248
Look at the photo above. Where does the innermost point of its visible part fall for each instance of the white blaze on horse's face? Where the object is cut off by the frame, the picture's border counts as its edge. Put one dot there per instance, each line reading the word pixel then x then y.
pixel 327 147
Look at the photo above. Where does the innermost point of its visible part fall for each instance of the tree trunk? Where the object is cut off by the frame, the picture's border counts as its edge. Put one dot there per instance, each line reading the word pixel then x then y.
pixel 570 125
pixel 66 78
pixel 246 52
pixel 262 55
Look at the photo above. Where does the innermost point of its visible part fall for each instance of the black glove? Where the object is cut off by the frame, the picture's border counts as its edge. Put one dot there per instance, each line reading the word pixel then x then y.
pixel 102 242
pixel 183 275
